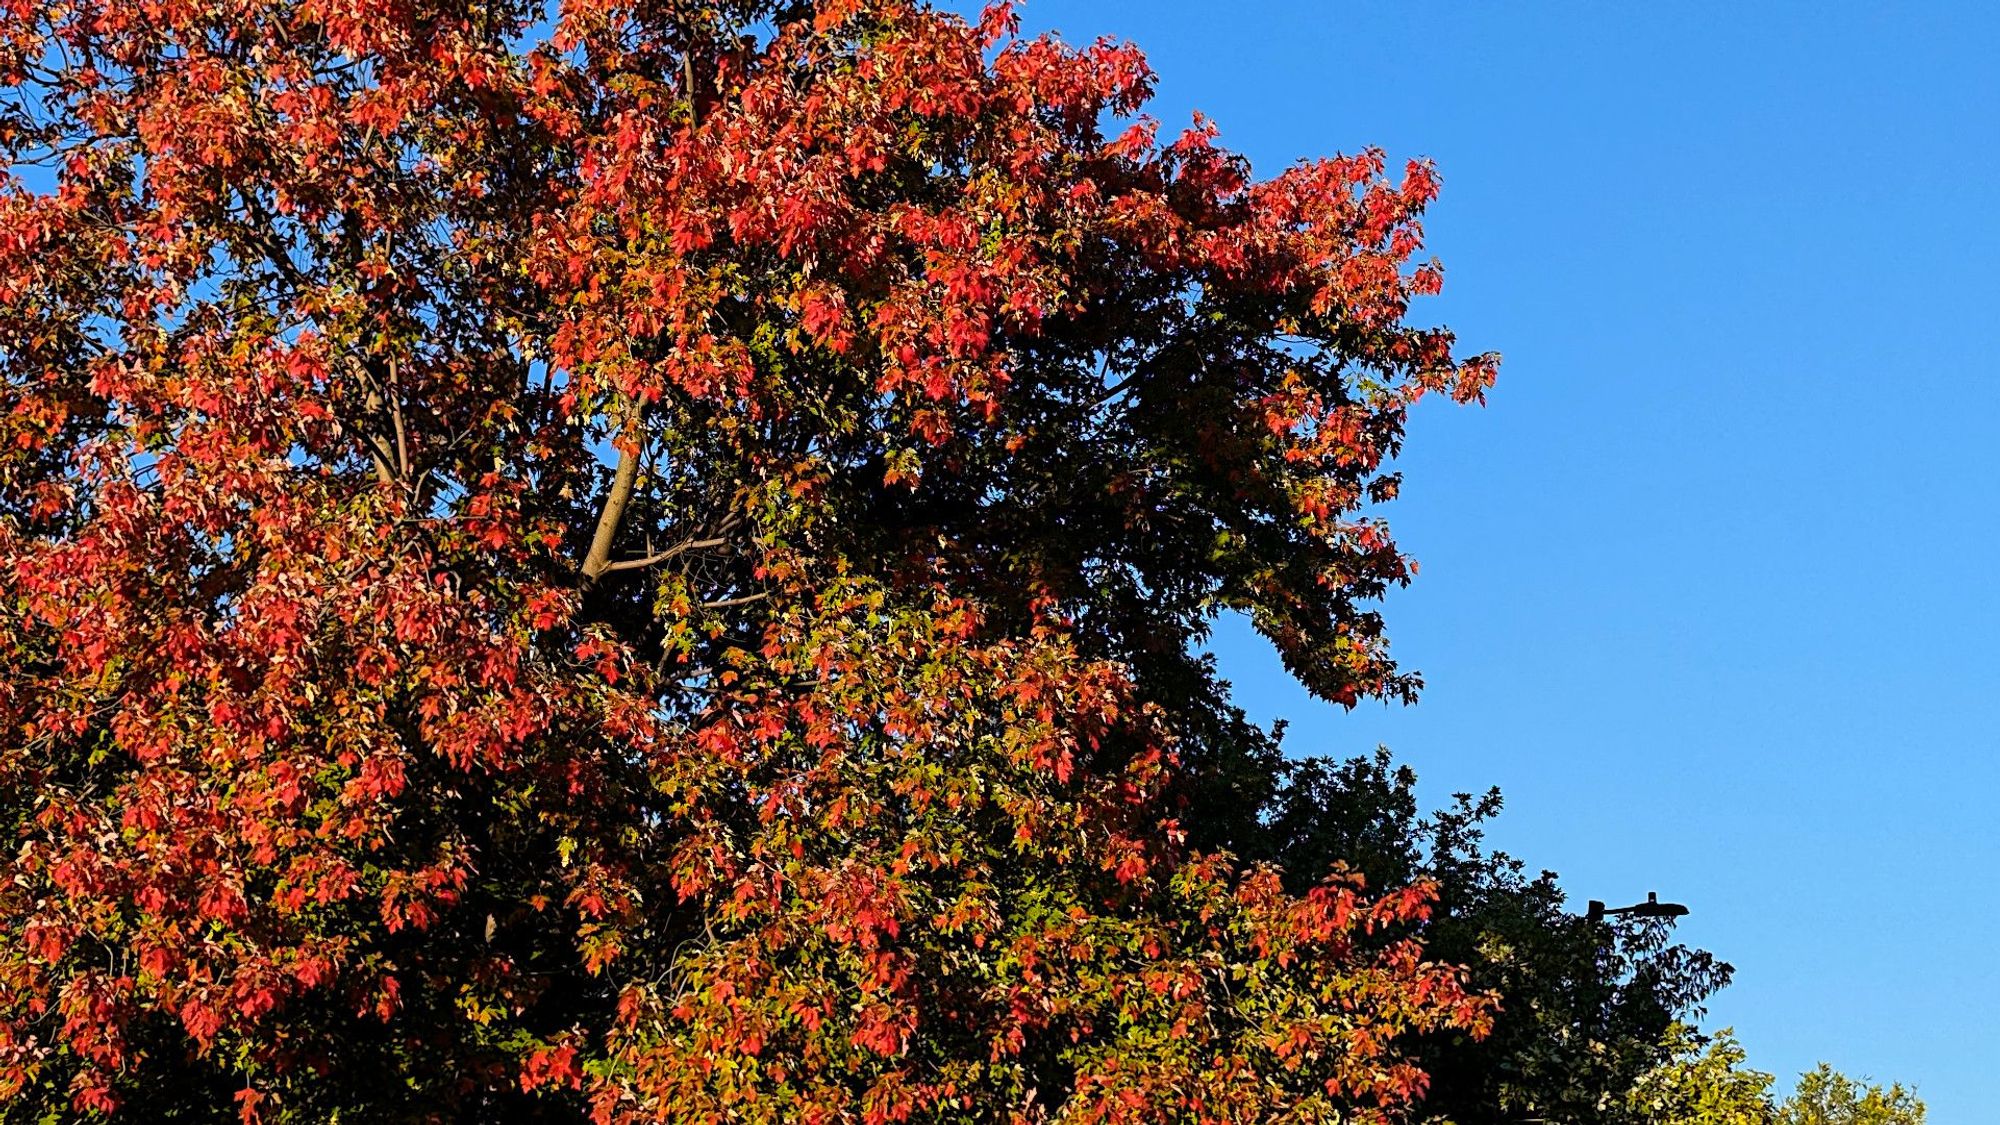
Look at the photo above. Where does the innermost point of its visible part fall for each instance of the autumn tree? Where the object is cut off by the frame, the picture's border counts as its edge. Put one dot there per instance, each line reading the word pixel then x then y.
pixel 640 560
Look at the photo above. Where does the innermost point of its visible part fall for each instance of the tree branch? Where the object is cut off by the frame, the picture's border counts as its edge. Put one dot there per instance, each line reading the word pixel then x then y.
pixel 597 561
pixel 403 466
pixel 392 464
pixel 680 548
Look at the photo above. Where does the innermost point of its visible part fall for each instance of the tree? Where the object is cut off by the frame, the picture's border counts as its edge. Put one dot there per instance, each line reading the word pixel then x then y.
pixel 1596 1022
pixel 1827 1097
pixel 1588 1008
pixel 1702 1082
pixel 641 560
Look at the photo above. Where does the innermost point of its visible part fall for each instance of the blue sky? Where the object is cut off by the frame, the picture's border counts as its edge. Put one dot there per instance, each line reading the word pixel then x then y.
pixel 1708 588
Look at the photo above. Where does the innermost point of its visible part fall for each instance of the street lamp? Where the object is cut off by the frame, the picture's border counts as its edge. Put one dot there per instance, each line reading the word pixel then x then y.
pixel 1651 908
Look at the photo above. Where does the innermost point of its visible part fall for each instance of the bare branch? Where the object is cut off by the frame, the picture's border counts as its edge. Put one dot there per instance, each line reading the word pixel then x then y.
pixel 403 465
pixel 680 548
pixel 597 561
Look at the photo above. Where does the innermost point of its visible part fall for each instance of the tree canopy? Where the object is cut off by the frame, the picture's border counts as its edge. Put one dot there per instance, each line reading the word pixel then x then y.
pixel 1703 1081
pixel 1589 1008
pixel 1827 1097
pixel 635 560
pixel 640 559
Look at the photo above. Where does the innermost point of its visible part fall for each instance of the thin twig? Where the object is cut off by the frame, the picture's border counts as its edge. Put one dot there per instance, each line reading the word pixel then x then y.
pixel 680 548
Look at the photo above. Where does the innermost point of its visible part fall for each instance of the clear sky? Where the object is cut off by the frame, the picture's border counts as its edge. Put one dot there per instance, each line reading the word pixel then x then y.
pixel 1708 589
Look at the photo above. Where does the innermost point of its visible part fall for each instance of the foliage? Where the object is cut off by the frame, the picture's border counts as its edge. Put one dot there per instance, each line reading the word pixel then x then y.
pixel 1701 1084
pixel 1703 1081
pixel 1827 1097
pixel 1587 1005
pixel 640 561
